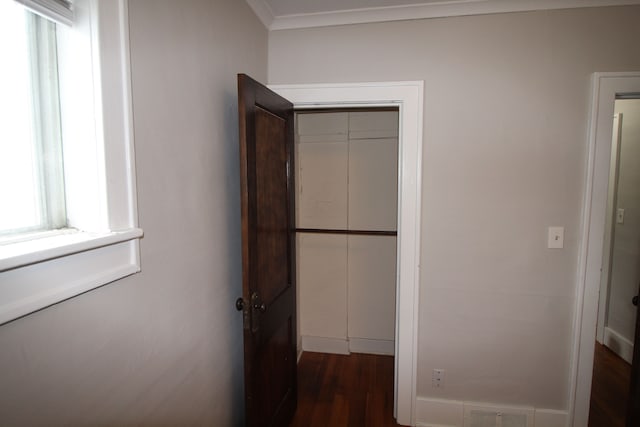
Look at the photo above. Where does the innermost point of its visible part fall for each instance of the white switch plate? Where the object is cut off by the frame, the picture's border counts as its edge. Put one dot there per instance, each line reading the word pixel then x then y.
pixel 620 216
pixel 556 238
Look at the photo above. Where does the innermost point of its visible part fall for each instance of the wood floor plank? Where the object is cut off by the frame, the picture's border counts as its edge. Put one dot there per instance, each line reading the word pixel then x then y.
pixel 609 389
pixel 338 390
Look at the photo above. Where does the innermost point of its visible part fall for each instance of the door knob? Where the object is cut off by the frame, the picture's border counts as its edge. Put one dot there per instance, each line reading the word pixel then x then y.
pixel 634 300
pixel 240 304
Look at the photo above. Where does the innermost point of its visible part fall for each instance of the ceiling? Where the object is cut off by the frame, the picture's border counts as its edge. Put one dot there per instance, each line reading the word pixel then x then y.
pixel 286 14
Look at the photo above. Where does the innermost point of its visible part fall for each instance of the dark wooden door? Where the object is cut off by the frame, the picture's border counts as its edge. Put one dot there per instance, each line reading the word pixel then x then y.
pixel 633 411
pixel 268 254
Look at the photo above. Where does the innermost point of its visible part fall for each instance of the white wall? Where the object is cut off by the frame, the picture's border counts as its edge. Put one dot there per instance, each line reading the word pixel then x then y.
pixel 163 347
pixel 625 256
pixel 506 117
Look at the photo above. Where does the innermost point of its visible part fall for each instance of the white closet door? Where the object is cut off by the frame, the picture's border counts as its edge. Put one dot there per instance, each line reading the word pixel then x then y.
pixel 373 188
pixel 372 182
pixel 322 278
pixel 347 179
pixel 322 153
pixel 372 293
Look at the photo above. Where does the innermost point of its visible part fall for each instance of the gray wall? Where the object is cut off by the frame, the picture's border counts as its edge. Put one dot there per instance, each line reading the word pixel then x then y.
pixel 163 347
pixel 505 139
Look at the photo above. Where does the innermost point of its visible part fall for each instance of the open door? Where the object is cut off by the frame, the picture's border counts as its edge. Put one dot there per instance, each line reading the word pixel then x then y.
pixel 633 411
pixel 268 298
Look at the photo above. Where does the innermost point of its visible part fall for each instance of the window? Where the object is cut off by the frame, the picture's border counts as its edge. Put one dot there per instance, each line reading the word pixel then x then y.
pixel 68 221
pixel 31 166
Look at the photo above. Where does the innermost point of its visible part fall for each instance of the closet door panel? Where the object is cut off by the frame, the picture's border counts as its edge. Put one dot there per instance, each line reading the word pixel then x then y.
pixel 372 287
pixel 325 125
pixel 322 272
pixel 372 182
pixel 373 124
pixel 322 152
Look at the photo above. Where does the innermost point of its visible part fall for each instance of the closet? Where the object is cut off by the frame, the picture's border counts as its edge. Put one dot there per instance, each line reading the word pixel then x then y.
pixel 346 219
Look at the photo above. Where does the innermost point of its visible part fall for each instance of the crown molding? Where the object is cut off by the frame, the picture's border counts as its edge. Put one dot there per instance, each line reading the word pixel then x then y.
pixel 440 9
pixel 262 11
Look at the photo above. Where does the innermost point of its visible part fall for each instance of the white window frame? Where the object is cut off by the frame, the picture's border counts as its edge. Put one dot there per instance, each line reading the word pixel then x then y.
pixel 103 243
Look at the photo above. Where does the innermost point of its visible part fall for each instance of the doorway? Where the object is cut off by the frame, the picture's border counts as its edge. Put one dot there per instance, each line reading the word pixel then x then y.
pixel 620 273
pixel 346 174
pixel 408 98
pixel 606 88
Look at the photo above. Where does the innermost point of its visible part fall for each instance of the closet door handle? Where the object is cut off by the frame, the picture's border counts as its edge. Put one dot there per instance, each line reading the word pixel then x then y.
pixel 634 300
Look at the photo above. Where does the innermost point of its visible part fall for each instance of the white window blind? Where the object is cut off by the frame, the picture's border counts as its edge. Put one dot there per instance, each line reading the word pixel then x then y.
pixel 60 11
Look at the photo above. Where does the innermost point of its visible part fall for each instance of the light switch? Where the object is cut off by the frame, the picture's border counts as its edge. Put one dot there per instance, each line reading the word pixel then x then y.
pixel 620 216
pixel 556 238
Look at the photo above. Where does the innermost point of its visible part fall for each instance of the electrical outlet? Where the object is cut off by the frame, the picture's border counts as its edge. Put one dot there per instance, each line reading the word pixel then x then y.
pixel 437 378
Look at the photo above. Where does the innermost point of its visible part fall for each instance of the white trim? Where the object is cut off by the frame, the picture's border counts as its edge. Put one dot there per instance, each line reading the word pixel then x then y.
pixel 56 10
pixel 605 86
pixel 618 344
pixel 550 418
pixel 100 181
pixel 262 11
pixel 434 9
pixel 408 96
pixel 432 412
pixel 66 243
pixel 371 346
pixel 346 345
pixel 497 410
pixel 325 345
pixel 36 286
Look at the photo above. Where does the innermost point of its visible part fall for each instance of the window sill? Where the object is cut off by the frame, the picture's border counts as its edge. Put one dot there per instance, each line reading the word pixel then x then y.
pixel 62 267
pixel 65 242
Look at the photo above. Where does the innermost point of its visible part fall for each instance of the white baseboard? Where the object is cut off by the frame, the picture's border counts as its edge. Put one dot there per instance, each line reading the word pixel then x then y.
pixel 439 413
pixel 347 346
pixel 451 413
pixel 363 345
pixel 325 345
pixel 618 344
pixel 551 418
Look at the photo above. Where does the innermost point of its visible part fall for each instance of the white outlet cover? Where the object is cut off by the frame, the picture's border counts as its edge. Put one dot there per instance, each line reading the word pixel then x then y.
pixel 437 378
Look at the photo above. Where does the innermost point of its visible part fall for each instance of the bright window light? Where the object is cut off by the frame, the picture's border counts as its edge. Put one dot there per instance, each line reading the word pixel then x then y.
pixel 31 169
pixel 65 100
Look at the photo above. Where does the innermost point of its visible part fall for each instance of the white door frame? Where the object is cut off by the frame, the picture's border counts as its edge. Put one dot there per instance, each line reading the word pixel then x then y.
pixel 605 87
pixel 408 97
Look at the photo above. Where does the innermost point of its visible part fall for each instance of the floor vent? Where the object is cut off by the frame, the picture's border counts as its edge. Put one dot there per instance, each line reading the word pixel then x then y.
pixel 475 416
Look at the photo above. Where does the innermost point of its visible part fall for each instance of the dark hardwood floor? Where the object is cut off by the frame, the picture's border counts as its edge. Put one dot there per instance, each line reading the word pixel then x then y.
pixel 610 389
pixel 357 390
pixel 336 390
